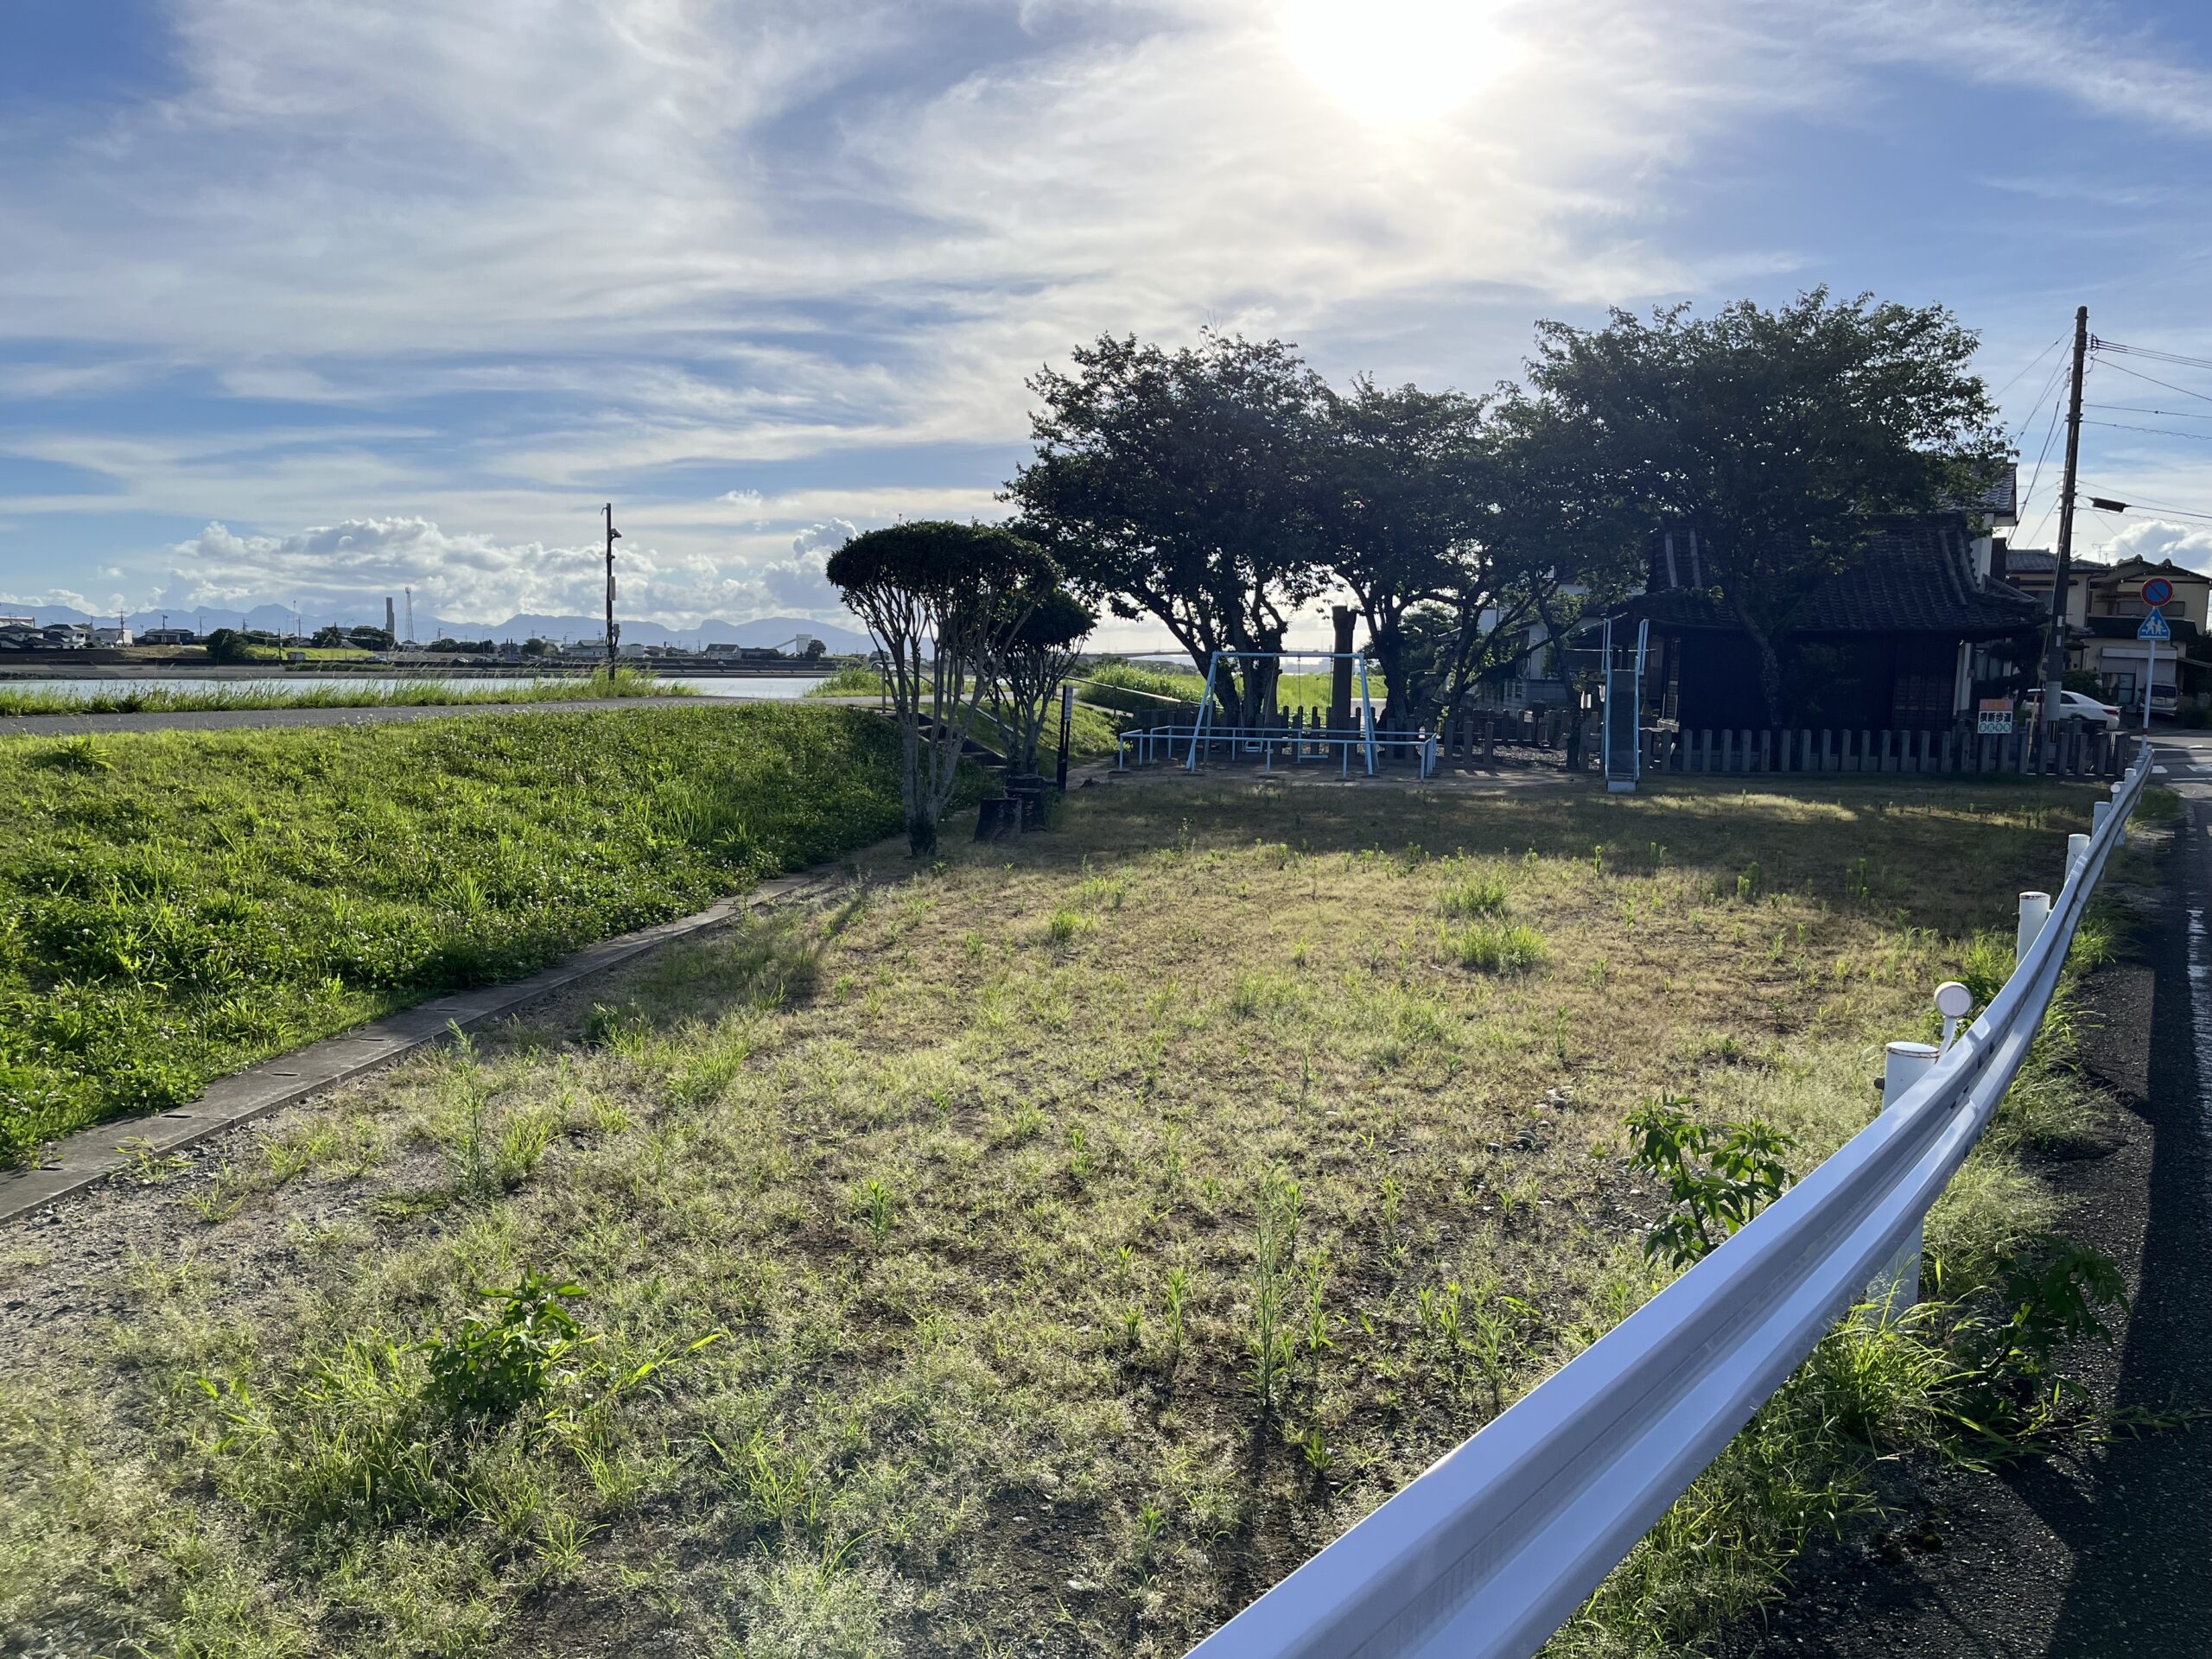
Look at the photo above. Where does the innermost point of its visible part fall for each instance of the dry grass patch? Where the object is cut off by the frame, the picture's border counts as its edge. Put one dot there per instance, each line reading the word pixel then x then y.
pixel 1092 1230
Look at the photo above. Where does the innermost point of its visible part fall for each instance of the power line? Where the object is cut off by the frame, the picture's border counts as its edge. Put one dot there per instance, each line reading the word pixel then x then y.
pixel 2160 507
pixel 2057 373
pixel 2155 381
pixel 2056 343
pixel 2153 355
pixel 2133 409
pixel 2163 431
pixel 2036 477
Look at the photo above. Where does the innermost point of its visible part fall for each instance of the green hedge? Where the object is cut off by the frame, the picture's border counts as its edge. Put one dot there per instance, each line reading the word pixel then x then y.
pixel 174 906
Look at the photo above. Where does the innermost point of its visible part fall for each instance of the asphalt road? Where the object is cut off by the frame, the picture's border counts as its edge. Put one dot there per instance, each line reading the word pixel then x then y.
pixel 2106 1553
pixel 219 720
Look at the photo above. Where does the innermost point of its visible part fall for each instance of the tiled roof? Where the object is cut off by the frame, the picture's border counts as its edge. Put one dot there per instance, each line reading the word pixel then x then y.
pixel 2038 560
pixel 2000 500
pixel 1912 578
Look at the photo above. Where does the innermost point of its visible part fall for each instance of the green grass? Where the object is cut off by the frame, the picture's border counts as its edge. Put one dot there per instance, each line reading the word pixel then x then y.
pixel 175 905
pixel 1144 689
pixel 152 697
pixel 853 680
pixel 1095 1225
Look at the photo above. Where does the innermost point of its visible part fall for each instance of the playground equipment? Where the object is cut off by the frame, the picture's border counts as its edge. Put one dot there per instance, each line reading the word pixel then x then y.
pixel 1205 735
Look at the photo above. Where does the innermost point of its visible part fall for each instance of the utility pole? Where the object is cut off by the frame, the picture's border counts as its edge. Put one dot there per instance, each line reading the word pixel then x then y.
pixel 614 536
pixel 2055 666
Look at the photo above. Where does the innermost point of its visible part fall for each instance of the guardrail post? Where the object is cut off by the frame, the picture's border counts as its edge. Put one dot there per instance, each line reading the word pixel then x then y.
pixel 2099 811
pixel 2077 849
pixel 2119 840
pixel 1897 1287
pixel 2035 910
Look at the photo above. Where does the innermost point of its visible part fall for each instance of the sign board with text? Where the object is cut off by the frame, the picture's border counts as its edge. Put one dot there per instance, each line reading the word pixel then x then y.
pixel 1994 717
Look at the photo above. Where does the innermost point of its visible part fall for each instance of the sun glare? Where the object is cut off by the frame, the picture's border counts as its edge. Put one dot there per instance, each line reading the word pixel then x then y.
pixel 1396 60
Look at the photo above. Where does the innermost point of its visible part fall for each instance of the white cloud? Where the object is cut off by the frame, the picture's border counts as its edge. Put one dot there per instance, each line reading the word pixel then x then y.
pixel 2190 545
pixel 475 576
pixel 698 233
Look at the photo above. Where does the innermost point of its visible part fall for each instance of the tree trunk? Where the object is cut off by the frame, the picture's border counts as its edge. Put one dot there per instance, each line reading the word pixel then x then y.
pixel 1769 666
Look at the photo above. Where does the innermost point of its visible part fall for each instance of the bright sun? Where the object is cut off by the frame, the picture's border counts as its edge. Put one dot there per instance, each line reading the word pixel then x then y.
pixel 1396 60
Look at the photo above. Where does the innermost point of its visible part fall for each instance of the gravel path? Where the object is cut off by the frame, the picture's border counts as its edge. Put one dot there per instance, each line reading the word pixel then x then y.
pixel 2106 1554
pixel 219 720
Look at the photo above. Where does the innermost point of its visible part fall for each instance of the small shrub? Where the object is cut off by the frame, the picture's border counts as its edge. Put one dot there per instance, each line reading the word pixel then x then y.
pixel 494 1363
pixel 1717 1176
pixel 1488 949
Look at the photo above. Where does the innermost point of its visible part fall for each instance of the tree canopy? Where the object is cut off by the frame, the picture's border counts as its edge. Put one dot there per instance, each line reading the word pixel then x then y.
pixel 1776 438
pixel 942 601
pixel 1179 485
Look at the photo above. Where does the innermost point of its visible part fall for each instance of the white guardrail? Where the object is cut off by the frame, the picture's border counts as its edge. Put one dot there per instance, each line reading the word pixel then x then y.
pixel 1497 1543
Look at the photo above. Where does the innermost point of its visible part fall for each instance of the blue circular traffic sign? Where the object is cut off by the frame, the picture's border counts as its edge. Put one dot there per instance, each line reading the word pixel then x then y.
pixel 2157 591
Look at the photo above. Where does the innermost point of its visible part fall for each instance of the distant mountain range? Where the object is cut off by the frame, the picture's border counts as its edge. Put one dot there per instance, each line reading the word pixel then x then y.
pixel 277 618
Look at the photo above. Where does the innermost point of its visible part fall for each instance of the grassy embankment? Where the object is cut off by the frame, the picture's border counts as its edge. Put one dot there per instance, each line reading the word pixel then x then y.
pixel 180 904
pixel 1089 736
pixel 1142 687
pixel 1082 1232
pixel 152 697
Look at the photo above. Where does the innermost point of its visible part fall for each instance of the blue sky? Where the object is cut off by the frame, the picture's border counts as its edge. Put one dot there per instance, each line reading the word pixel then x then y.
pixel 309 299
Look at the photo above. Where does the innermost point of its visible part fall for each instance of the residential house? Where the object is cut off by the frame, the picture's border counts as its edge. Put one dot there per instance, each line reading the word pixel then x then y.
pixel 2104 607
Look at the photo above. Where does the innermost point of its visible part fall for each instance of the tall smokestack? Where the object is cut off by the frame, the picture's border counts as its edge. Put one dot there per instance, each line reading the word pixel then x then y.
pixel 390 619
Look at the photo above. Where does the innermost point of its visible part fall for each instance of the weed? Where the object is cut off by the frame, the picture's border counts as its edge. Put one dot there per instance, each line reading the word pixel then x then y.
pixel 1269 1342
pixel 1718 1175
pixel 1175 1301
pixel 1858 883
pixel 1489 949
pixel 875 1203
pixel 1064 927
pixel 1480 892
pixel 493 1364
pixel 145 1165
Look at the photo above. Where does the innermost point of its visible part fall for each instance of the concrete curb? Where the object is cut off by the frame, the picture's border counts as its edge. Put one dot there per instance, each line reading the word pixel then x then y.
pixel 90 1155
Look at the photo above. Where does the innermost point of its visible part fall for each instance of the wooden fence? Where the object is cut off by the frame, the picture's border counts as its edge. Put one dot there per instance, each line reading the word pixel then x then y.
pixel 1480 736
pixel 2073 753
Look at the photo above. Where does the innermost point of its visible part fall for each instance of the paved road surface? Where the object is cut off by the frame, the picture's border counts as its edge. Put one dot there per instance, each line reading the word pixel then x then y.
pixel 2106 1555
pixel 217 720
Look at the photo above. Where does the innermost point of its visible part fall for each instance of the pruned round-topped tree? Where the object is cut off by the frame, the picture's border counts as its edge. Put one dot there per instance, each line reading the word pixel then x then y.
pixel 944 601
pixel 1039 656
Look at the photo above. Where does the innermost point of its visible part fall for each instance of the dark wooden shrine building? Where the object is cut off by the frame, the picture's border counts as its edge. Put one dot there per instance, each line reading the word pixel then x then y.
pixel 1899 640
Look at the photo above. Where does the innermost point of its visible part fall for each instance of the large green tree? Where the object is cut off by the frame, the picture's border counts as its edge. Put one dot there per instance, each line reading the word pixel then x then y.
pixel 944 602
pixel 1178 485
pixel 1457 525
pixel 1401 490
pixel 1776 437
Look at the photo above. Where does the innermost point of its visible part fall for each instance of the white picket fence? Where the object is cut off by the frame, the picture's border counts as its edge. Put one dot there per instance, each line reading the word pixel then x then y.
pixel 1495 1545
